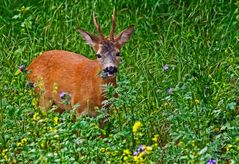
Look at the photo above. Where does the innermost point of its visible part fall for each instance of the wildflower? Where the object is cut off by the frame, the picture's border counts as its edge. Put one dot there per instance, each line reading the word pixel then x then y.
pixel 166 67
pixel 22 68
pixel 22 142
pixel 35 102
pixel 4 152
pixel 56 120
pixel 196 101
pixel 65 97
pixel 170 90
pixel 62 95
pixel 155 138
pixel 229 147
pixel 4 155
pixel 136 126
pixel 141 148
pixel 19 144
pixel 127 152
pixel 102 150
pixel 36 116
pixel 139 158
pixel 148 149
pixel 211 161
pixel 125 158
pixel 136 153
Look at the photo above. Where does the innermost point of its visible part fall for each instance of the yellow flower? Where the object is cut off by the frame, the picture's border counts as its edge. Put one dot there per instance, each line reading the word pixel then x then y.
pixel 19 144
pixel 22 142
pixel 35 102
pixel 4 151
pixel 139 158
pixel 36 116
pixel 136 126
pixel 229 147
pixel 196 101
pixel 56 120
pixel 148 149
pixel 155 138
pixel 127 152
pixel 125 158
pixel 102 150
pixel 141 155
pixel 4 154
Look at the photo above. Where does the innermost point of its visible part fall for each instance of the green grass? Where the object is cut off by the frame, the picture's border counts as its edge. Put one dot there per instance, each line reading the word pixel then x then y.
pixel 197 122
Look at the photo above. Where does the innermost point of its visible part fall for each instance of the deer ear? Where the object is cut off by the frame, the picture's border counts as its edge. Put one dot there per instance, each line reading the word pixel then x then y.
pixel 89 38
pixel 124 36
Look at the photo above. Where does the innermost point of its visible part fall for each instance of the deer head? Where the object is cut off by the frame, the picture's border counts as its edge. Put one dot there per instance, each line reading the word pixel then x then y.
pixel 107 49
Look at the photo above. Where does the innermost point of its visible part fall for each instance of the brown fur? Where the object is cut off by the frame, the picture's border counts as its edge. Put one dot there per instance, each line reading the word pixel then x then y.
pixel 71 73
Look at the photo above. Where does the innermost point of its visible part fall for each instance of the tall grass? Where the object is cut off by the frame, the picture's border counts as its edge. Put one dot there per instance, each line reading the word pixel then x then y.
pixel 177 85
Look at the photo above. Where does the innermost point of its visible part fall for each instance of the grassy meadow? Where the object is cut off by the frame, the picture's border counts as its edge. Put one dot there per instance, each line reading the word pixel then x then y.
pixel 178 83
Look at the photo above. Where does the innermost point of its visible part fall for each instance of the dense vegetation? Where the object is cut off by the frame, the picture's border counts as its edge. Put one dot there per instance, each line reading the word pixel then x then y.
pixel 178 83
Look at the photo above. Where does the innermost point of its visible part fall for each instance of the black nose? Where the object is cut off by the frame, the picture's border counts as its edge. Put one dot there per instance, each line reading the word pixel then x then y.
pixel 110 69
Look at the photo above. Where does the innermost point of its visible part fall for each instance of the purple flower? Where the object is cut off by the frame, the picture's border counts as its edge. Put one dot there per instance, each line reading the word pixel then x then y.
pixel 170 90
pixel 140 148
pixel 21 67
pixel 165 67
pixel 62 95
pixel 136 153
pixel 211 161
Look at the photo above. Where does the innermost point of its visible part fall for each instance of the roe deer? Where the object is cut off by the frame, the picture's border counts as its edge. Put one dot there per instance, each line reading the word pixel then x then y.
pixel 56 72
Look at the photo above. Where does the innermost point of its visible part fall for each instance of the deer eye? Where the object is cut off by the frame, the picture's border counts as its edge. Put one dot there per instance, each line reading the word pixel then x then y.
pixel 118 54
pixel 98 55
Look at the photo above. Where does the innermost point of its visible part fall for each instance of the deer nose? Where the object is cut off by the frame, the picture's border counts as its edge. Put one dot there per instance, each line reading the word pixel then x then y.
pixel 110 69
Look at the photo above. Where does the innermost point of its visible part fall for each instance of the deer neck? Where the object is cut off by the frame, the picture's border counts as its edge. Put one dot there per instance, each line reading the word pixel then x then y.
pixel 109 80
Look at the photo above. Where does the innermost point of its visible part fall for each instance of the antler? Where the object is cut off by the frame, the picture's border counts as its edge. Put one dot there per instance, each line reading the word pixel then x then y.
pixel 101 36
pixel 112 30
